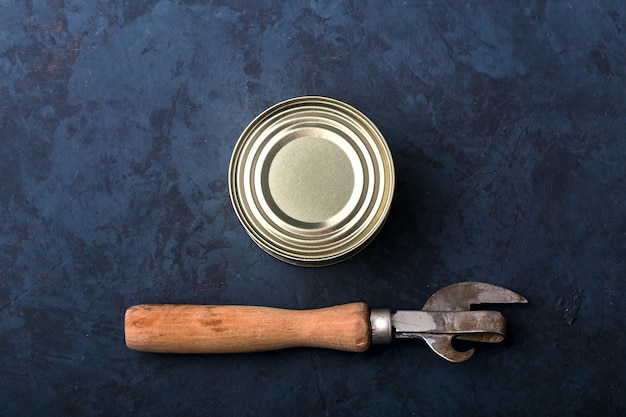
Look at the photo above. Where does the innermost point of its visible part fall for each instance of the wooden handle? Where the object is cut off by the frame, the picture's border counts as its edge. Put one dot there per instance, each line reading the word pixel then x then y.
pixel 170 328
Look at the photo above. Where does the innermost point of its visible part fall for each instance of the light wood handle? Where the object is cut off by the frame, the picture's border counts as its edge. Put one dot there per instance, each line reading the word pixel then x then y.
pixel 172 328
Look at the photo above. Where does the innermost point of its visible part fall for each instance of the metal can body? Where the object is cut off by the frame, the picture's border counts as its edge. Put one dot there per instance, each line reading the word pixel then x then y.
pixel 311 180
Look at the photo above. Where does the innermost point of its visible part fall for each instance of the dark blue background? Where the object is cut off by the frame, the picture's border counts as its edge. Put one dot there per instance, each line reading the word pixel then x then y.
pixel 117 120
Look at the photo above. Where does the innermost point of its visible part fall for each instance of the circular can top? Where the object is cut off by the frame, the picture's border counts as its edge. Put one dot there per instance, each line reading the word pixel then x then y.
pixel 311 180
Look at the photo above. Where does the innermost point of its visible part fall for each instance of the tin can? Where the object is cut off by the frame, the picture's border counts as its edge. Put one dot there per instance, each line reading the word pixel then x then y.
pixel 311 180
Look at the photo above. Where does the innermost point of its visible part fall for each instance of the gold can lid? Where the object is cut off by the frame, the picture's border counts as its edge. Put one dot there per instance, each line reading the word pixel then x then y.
pixel 311 180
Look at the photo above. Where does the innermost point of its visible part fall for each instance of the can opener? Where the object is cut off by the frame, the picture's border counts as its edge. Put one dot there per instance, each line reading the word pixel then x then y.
pixel 176 328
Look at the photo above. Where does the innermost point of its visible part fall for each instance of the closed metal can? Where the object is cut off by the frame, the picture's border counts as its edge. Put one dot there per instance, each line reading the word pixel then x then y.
pixel 311 180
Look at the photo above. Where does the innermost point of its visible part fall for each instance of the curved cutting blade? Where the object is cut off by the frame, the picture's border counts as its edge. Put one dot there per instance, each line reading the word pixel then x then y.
pixel 442 346
pixel 461 296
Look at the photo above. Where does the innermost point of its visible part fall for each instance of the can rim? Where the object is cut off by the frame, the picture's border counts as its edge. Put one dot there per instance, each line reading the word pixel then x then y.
pixel 286 241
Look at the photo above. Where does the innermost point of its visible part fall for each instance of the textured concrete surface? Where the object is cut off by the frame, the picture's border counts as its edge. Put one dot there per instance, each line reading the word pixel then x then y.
pixel 117 120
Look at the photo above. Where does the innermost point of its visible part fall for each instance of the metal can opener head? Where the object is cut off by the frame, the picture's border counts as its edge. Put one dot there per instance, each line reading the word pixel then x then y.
pixel 447 315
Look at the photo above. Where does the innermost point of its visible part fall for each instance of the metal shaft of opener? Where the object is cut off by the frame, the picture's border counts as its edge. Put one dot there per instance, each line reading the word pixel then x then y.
pixel 483 326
